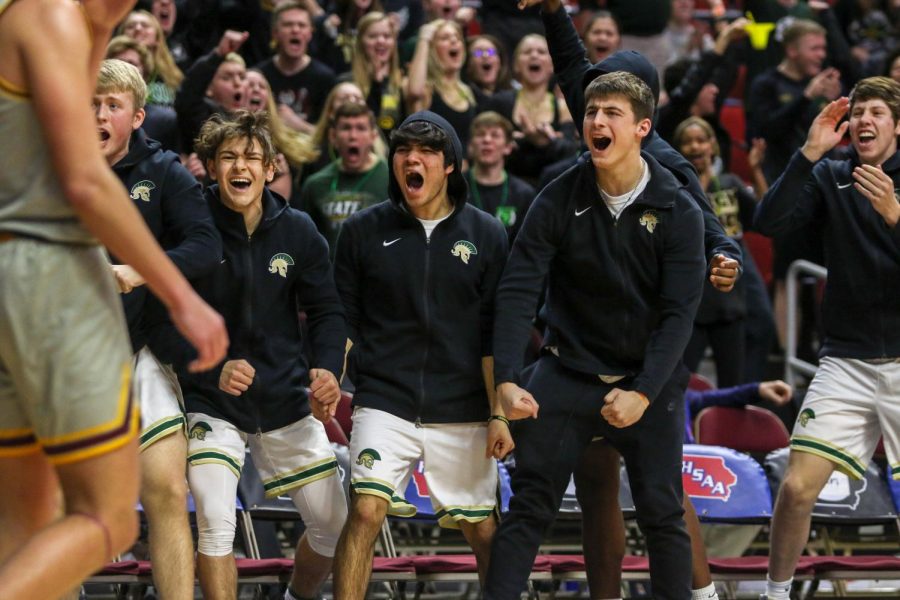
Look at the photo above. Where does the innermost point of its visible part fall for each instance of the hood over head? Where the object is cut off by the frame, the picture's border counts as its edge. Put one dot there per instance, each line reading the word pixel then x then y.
pixel 625 60
pixel 457 188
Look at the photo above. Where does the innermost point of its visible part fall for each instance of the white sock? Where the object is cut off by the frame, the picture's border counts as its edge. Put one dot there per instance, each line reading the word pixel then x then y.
pixel 706 593
pixel 288 595
pixel 778 590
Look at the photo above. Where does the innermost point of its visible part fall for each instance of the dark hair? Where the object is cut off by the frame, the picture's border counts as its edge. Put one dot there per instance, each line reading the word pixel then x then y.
pixel 675 72
pixel 426 134
pixel 352 109
pixel 504 79
pixel 627 85
pixel 878 88
pixel 596 16
pixel 889 60
pixel 241 124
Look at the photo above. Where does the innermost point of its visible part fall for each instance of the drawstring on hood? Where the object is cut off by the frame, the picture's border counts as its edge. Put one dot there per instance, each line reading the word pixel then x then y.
pixel 457 188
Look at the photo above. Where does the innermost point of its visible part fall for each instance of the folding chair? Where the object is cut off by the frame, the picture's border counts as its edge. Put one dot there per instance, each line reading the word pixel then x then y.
pixel 750 429
pixel 700 383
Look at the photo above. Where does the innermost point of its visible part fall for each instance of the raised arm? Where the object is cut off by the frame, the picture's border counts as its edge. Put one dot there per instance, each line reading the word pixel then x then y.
pixel 793 198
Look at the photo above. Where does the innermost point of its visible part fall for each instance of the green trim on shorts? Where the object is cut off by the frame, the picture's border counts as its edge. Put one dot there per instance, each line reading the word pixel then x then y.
pixel 449 517
pixel 895 471
pixel 205 457
pixel 160 429
pixel 397 506
pixel 300 477
pixel 845 462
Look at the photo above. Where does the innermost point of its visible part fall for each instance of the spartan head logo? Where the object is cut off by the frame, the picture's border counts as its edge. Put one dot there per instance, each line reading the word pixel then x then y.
pixel 368 457
pixel 199 431
pixel 805 415
pixel 279 264
pixel 649 220
pixel 142 190
pixel 464 249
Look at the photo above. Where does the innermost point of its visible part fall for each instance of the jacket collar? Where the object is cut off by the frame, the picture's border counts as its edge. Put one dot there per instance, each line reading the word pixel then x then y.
pixel 232 222
pixel 660 193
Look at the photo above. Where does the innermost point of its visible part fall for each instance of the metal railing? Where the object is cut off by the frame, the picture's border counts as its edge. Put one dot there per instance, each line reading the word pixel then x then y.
pixel 793 365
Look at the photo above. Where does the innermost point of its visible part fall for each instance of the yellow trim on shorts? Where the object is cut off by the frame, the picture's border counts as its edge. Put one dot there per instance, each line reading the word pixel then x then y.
pixel 10 89
pixel 110 445
pixel 21 449
pixel 124 391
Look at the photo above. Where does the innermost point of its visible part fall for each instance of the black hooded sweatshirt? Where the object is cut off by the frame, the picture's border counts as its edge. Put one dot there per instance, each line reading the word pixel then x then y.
pixel 171 203
pixel 574 72
pixel 420 311
pixel 259 287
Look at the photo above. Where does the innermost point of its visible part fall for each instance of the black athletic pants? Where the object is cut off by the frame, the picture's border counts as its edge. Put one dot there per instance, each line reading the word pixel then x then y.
pixel 547 450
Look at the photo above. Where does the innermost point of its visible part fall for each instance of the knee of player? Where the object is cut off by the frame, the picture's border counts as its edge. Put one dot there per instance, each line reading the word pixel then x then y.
pixel 798 490
pixel 123 526
pixel 169 496
pixel 215 538
pixel 368 512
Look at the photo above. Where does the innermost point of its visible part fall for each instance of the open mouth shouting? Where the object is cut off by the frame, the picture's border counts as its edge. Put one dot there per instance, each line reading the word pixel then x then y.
pixel 255 102
pixel 414 182
pixel 866 140
pixel 600 143
pixel 240 184
pixel 104 135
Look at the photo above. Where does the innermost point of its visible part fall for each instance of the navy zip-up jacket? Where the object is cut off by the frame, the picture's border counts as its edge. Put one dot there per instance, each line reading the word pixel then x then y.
pixel 621 295
pixel 574 72
pixel 420 312
pixel 259 288
pixel 861 308
pixel 171 202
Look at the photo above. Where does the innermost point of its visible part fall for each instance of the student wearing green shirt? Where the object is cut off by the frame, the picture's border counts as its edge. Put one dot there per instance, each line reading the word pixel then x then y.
pixel 356 180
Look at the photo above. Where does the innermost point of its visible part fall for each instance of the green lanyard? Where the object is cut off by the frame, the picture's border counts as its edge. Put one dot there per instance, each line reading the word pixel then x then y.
pixel 476 195
pixel 358 184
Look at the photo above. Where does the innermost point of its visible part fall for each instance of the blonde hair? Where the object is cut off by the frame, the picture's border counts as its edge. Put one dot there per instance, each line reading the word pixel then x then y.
pixel 435 70
pixel 123 43
pixel 163 62
pixel 297 147
pixel 360 66
pixel 117 76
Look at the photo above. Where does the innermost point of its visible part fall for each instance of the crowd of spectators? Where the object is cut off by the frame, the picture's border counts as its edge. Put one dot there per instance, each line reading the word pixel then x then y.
pixel 301 60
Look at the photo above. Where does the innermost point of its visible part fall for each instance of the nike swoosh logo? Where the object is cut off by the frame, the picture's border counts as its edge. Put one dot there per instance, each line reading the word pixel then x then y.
pixel 578 213
pixel 223 262
pixel 845 186
pixel 388 243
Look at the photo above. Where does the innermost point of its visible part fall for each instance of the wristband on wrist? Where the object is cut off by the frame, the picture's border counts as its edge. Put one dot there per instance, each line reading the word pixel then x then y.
pixel 498 418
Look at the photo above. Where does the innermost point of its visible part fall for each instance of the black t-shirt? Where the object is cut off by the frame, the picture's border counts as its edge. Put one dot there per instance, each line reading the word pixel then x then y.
pixel 508 201
pixel 304 92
